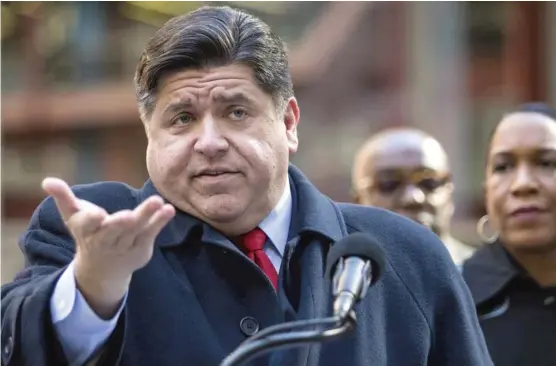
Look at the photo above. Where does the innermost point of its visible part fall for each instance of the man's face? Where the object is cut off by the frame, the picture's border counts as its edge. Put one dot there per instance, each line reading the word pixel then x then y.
pixel 410 178
pixel 218 148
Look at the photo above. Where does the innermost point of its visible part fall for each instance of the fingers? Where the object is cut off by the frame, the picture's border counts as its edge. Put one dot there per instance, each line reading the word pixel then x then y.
pixel 81 217
pixel 85 223
pixel 116 227
pixel 156 224
pixel 65 200
pixel 146 210
pixel 125 228
pixel 132 222
pixel 121 229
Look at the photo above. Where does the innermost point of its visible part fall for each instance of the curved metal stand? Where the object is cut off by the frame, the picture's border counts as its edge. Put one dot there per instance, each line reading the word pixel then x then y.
pixel 273 337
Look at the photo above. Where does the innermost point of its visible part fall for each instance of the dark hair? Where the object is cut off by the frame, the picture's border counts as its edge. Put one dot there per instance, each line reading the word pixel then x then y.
pixel 532 107
pixel 211 37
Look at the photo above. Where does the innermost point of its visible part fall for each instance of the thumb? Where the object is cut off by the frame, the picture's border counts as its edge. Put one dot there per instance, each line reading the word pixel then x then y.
pixel 65 200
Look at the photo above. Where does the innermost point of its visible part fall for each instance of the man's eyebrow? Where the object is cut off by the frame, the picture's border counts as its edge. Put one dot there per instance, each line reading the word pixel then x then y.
pixel 177 106
pixel 233 98
pixel 387 171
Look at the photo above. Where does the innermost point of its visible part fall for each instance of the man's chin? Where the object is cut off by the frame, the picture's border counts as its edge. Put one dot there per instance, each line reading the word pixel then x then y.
pixel 418 218
pixel 221 217
pixel 220 208
pixel 221 213
pixel 424 220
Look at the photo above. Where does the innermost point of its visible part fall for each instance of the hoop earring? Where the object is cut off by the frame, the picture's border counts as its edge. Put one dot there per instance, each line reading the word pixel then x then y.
pixel 481 231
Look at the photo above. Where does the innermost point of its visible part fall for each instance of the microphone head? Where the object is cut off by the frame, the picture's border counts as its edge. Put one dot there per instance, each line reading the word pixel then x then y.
pixel 357 245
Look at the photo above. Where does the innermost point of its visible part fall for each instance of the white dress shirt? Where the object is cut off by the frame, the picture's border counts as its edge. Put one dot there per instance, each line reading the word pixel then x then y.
pixel 81 332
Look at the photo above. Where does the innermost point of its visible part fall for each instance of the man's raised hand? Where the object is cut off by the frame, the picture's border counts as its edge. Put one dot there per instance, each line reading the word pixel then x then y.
pixel 109 247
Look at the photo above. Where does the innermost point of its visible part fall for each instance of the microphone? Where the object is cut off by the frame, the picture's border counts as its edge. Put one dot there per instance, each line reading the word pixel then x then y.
pixel 353 265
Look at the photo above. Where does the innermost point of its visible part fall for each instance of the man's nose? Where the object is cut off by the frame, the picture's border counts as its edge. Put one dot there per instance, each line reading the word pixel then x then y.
pixel 412 196
pixel 210 139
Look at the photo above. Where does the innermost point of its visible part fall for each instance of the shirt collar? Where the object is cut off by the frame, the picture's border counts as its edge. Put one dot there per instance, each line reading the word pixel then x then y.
pixel 276 224
pixel 312 212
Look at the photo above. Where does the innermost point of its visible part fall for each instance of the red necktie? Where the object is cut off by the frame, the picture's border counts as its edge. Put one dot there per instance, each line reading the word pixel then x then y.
pixel 253 242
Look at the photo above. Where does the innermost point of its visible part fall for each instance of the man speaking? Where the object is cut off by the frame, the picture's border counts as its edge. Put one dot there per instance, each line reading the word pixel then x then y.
pixel 226 237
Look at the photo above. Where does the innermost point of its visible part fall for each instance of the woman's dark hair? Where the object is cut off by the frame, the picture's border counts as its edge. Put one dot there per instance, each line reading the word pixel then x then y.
pixel 532 107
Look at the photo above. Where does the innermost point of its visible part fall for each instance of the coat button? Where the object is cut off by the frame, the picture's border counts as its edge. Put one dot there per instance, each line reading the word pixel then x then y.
pixel 8 347
pixel 249 325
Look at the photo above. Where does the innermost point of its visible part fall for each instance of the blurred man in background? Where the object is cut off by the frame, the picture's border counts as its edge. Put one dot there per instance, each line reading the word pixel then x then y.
pixel 406 171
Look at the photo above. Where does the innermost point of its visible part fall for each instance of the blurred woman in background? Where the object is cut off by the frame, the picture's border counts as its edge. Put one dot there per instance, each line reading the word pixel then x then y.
pixel 513 277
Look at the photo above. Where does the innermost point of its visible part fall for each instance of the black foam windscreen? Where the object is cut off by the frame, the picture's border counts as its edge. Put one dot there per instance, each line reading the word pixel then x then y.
pixel 357 245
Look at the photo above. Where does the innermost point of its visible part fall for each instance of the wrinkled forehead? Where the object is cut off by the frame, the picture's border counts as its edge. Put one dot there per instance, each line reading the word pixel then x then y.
pixel 214 84
pixel 409 153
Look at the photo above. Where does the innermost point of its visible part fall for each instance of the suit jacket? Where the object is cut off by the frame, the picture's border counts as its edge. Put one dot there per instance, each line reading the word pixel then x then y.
pixel 199 296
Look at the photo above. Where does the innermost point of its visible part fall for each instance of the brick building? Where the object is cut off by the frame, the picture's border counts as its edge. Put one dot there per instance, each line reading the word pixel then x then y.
pixel 68 106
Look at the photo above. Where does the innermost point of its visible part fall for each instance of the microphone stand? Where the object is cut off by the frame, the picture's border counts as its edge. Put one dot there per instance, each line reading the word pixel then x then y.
pixel 274 337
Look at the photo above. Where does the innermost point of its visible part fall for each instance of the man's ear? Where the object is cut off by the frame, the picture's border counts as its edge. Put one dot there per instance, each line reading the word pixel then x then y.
pixel 291 120
pixel 145 119
pixel 146 127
